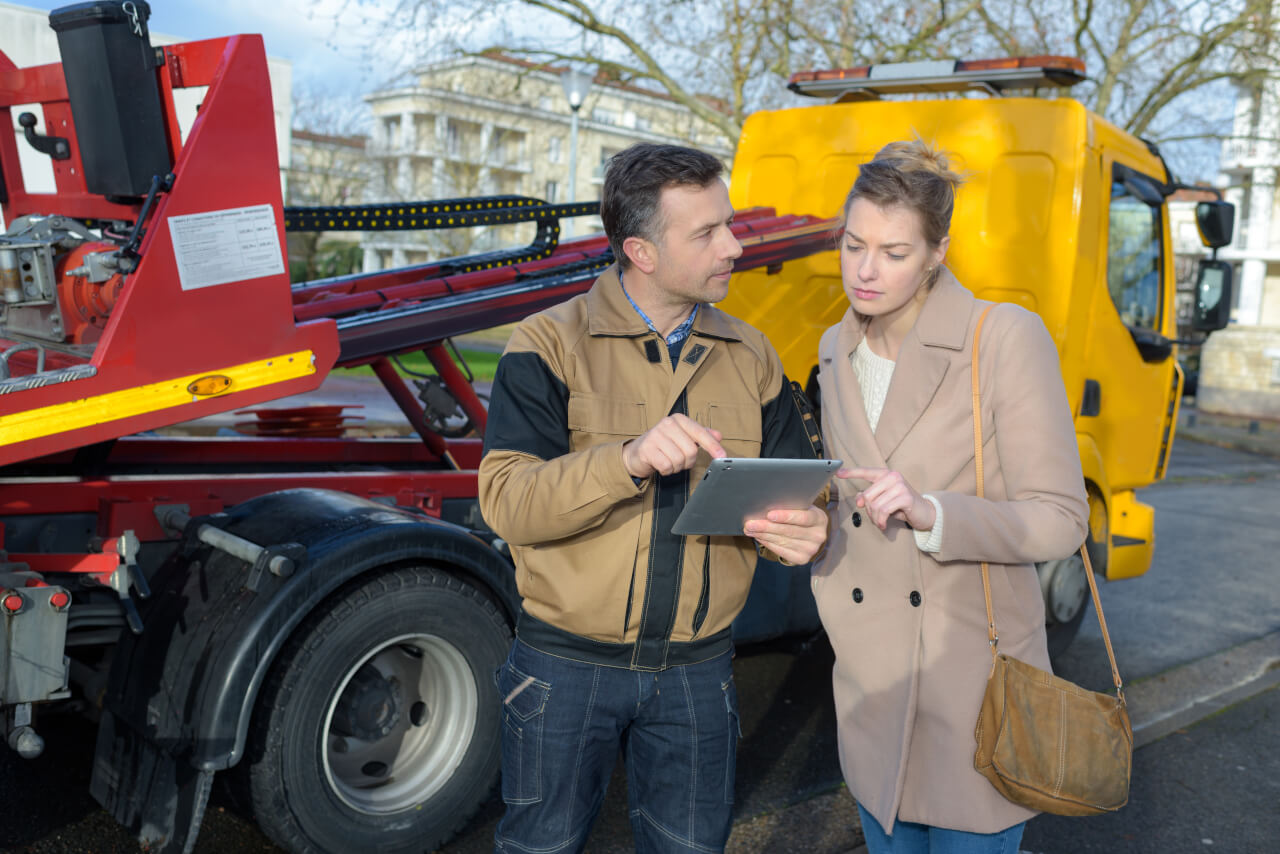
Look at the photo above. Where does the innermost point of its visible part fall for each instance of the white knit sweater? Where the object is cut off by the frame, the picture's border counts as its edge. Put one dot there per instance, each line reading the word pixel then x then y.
pixel 874 374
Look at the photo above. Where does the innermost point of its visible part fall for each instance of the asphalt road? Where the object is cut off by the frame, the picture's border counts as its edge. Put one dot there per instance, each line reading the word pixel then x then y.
pixel 1213 587
pixel 1207 788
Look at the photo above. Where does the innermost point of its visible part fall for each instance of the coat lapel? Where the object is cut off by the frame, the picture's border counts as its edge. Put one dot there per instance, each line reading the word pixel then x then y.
pixel 846 422
pixel 693 355
pixel 916 378
pixel 923 360
pixel 710 327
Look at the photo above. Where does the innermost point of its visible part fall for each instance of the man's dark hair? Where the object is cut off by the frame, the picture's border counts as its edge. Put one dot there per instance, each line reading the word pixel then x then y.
pixel 634 178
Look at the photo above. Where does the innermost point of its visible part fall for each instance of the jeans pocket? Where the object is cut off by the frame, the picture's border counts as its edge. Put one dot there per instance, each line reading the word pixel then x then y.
pixel 524 700
pixel 733 732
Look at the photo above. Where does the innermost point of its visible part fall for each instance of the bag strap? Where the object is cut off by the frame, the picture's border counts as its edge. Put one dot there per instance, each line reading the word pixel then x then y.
pixel 993 638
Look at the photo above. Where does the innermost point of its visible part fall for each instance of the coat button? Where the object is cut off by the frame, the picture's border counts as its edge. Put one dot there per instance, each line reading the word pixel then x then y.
pixel 915 599
pixel 857 519
pixel 857 594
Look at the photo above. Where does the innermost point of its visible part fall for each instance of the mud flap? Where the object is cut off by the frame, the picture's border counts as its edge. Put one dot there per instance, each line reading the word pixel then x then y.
pixel 160 799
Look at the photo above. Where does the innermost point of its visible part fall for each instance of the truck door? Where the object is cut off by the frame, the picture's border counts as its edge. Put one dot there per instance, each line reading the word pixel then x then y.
pixel 1141 381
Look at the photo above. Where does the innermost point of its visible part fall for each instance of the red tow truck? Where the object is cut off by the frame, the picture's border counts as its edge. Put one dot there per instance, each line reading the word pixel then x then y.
pixel 314 618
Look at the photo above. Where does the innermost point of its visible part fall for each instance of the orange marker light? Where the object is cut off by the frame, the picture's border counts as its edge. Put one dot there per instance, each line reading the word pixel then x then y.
pixel 212 384
pixel 59 600
pixel 13 602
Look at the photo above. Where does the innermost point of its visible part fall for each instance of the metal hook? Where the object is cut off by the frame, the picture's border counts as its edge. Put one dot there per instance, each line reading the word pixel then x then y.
pixel 132 11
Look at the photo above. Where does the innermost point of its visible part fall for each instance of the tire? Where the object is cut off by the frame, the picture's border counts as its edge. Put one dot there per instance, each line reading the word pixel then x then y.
pixel 377 728
pixel 1062 634
pixel 1063 627
pixel 1066 595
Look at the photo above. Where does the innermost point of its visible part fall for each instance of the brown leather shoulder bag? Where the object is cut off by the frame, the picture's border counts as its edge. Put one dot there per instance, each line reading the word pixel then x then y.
pixel 1044 742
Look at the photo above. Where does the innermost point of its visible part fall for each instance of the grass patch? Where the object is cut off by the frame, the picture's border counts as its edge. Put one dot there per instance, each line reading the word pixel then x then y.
pixel 483 364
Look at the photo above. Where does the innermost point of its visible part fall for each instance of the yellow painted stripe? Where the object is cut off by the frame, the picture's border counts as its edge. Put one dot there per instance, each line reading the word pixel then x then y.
pixel 167 394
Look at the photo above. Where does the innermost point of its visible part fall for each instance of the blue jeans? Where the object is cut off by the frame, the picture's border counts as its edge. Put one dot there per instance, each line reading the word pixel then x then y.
pixel 677 729
pixel 911 838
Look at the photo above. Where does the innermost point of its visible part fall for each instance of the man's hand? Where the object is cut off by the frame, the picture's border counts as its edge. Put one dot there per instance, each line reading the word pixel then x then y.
pixel 890 495
pixel 670 446
pixel 793 535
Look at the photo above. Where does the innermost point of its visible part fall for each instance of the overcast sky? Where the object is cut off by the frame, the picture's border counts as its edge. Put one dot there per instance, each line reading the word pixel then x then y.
pixel 328 41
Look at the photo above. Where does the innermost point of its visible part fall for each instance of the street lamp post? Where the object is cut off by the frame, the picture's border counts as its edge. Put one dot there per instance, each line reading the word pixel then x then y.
pixel 576 85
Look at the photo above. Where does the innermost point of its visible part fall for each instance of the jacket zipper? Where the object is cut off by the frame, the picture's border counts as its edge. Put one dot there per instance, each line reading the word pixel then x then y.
pixel 631 596
pixel 704 600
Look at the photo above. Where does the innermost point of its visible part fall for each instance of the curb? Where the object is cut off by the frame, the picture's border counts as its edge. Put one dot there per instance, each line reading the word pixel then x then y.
pixel 1202 687
pixel 1231 443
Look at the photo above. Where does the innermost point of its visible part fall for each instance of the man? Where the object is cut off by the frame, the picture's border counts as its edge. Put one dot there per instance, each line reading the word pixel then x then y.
pixel 604 410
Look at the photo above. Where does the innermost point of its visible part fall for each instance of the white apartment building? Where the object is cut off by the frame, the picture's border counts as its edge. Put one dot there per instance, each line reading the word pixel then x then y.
pixel 1240 366
pixel 497 125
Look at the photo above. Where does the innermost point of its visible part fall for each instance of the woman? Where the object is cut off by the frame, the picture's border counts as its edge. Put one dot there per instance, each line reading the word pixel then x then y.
pixel 899 588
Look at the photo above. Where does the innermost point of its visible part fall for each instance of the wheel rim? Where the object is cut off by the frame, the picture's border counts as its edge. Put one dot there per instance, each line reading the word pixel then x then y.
pixel 419 720
pixel 1068 588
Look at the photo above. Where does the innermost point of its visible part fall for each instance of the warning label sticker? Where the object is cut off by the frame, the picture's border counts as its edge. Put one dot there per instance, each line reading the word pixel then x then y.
pixel 232 245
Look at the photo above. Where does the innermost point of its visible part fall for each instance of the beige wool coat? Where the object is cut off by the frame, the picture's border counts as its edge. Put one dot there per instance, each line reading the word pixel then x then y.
pixel 909 627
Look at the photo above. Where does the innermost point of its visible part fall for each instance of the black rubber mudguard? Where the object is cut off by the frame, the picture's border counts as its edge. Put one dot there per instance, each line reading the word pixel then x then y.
pixel 181 693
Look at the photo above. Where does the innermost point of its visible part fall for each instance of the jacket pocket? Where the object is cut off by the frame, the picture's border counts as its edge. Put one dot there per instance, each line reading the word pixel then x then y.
pixel 523 705
pixel 597 419
pixel 739 426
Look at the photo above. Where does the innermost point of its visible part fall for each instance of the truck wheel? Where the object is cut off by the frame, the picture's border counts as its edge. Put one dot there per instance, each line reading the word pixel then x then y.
pixel 1063 583
pixel 1066 598
pixel 378 726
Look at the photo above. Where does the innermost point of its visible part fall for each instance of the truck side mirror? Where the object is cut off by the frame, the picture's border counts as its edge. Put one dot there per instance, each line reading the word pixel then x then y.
pixel 1215 221
pixel 1213 293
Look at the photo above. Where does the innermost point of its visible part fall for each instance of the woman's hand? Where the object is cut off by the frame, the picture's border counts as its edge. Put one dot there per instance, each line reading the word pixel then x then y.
pixel 889 495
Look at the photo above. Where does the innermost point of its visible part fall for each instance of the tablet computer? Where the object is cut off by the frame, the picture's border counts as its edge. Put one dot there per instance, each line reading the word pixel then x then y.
pixel 737 489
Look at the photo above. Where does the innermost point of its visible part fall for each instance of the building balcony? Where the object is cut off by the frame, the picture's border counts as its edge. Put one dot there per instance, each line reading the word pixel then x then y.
pixel 382 149
pixel 522 166
pixel 1243 153
pixel 458 154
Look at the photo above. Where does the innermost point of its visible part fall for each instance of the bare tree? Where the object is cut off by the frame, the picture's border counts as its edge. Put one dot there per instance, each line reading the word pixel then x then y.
pixel 327 166
pixel 1149 61
pixel 721 59
pixel 1160 69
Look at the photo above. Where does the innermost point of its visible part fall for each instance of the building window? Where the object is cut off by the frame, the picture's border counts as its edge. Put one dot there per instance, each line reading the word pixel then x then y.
pixel 553 149
pixel 605 116
pixel 453 139
pixel 552 194
pixel 1135 256
pixel 606 154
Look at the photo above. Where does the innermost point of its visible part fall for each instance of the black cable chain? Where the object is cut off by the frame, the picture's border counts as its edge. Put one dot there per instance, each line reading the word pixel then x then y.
pixel 444 213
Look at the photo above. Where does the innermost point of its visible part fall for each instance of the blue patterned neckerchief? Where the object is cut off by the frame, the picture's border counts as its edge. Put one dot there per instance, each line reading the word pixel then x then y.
pixel 677 335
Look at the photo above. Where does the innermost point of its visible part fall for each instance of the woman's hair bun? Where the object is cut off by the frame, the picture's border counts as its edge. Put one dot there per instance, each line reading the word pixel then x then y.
pixel 915 155
pixel 912 174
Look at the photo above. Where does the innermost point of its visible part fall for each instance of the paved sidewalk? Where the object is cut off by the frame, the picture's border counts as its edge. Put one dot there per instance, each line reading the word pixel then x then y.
pixel 1254 435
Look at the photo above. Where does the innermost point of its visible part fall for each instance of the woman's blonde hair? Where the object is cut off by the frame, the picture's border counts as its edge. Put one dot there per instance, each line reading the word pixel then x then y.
pixel 913 175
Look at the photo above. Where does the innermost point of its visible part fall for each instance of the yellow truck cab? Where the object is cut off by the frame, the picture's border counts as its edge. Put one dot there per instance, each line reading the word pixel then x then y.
pixel 1062 212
